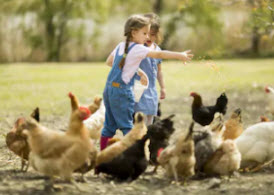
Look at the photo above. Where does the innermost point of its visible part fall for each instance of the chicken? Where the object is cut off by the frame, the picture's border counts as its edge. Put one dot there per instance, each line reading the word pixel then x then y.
pixel 95 105
pixel 256 145
pixel 128 165
pixel 225 160
pixel 56 153
pixel 233 126
pixel 270 92
pixel 95 122
pixel 205 114
pixel 208 141
pixel 179 159
pixel 264 119
pixel 17 141
pixel 160 133
pixel 90 162
pixel 137 132
pixel 113 140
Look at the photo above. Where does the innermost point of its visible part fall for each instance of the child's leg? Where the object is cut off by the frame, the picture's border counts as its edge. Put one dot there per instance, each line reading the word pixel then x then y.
pixel 123 110
pixel 110 125
pixel 104 142
pixel 149 119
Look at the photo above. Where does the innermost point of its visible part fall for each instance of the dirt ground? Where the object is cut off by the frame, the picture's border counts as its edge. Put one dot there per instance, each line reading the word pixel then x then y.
pixel 253 104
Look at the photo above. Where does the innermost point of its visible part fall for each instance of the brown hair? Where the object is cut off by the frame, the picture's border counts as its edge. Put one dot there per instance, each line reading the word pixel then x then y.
pixel 155 25
pixel 134 22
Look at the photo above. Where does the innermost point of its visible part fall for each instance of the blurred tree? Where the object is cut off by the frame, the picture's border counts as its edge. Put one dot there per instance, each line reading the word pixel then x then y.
pixel 55 15
pixel 261 22
pixel 195 14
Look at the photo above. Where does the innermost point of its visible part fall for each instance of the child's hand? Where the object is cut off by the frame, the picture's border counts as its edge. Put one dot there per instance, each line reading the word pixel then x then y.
pixel 143 80
pixel 162 93
pixel 187 56
pixel 143 77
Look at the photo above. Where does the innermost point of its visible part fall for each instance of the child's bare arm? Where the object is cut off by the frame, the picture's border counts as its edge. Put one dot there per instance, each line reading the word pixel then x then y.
pixel 160 78
pixel 184 56
pixel 109 60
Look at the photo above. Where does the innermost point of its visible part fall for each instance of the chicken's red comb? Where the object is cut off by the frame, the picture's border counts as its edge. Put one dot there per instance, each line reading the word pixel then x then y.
pixel 266 89
pixel 70 95
pixel 192 94
pixel 159 152
pixel 87 112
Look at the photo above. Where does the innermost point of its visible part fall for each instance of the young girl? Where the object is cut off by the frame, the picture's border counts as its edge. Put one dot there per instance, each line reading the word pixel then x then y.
pixel 148 103
pixel 125 60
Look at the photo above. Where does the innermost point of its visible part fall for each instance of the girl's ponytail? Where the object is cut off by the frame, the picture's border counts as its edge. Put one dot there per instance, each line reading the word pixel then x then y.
pixel 122 62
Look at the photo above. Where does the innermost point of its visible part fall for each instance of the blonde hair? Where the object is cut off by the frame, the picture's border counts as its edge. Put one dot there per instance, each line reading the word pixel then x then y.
pixel 134 22
pixel 155 25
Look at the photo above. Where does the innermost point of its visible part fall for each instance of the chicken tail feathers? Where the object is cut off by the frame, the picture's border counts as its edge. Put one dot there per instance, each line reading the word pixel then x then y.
pixel 139 117
pixel 190 131
pixel 36 114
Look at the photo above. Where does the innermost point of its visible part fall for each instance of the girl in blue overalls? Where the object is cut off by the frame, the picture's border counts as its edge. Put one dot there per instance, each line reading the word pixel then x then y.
pixel 148 103
pixel 125 61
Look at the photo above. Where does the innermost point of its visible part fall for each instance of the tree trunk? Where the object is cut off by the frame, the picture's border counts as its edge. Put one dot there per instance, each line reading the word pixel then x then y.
pixel 50 32
pixel 170 29
pixel 255 40
pixel 158 6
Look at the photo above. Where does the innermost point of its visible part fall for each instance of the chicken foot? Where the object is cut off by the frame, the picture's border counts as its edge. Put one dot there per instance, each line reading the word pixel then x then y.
pixel 260 166
pixel 24 164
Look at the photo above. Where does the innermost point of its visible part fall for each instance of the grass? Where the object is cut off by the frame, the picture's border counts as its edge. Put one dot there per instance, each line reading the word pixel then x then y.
pixel 25 86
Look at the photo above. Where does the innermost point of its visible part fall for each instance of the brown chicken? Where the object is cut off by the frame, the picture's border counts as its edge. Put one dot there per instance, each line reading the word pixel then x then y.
pixel 264 119
pixel 90 161
pixel 95 105
pixel 225 160
pixel 179 159
pixel 56 153
pixel 137 132
pixel 17 141
pixel 234 126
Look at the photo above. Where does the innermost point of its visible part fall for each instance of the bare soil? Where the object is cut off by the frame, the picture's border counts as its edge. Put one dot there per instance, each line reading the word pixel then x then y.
pixel 253 104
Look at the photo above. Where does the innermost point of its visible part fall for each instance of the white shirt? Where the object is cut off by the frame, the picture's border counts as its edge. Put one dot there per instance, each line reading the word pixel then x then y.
pixel 133 59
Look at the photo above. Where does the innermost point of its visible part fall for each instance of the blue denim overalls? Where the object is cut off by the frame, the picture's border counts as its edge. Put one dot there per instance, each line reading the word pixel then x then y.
pixel 148 103
pixel 118 99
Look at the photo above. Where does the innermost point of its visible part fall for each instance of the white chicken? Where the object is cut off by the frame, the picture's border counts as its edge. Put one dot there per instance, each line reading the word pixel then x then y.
pixel 95 122
pixel 270 92
pixel 256 145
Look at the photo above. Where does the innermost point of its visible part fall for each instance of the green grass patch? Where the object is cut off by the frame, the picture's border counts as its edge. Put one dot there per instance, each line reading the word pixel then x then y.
pixel 25 86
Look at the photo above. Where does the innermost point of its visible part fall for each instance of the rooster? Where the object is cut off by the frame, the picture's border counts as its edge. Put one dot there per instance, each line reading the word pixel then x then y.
pixel 17 141
pixel 208 141
pixel 179 159
pixel 233 126
pixel 56 153
pixel 225 160
pixel 205 114
pixel 128 165
pixel 160 133
pixel 270 92
pixel 137 132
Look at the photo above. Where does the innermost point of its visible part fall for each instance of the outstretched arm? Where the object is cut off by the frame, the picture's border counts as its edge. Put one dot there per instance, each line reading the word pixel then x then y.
pixel 164 54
